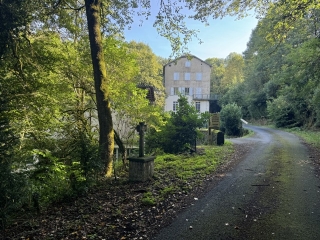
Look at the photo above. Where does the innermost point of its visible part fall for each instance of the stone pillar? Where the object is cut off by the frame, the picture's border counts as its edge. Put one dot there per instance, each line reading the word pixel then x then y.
pixel 141 128
pixel 141 168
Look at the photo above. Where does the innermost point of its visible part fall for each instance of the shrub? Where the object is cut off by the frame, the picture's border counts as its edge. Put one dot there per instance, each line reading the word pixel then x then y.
pixel 230 116
pixel 180 131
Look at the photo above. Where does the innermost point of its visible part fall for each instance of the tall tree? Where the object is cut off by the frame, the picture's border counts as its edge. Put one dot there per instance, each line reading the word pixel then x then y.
pixel 234 64
pixel 217 73
pixel 150 69
pixel 106 134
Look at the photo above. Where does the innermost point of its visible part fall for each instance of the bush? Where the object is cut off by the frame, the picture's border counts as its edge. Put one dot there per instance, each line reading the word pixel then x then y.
pixel 180 131
pixel 230 116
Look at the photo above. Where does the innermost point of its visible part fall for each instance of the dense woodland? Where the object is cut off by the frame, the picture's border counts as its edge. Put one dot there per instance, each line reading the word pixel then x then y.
pixel 275 79
pixel 68 84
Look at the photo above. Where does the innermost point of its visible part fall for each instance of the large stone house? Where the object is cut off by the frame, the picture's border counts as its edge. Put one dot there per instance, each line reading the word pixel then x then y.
pixel 189 76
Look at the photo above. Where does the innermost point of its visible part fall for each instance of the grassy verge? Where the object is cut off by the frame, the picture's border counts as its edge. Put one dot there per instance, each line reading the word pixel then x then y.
pixel 186 166
pixel 311 137
pixel 182 173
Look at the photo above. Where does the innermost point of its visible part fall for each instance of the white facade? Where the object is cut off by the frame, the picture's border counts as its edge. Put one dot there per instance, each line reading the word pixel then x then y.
pixel 189 76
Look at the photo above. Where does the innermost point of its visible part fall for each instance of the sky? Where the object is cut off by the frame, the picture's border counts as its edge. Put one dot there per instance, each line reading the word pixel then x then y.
pixel 220 38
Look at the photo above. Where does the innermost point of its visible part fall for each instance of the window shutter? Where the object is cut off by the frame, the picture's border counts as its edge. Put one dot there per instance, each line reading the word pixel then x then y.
pixel 172 91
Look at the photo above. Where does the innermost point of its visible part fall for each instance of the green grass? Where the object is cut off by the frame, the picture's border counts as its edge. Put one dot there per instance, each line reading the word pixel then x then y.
pixel 148 199
pixel 181 173
pixel 311 137
pixel 188 166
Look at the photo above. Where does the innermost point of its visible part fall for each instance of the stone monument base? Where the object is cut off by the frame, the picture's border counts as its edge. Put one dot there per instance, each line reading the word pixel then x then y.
pixel 141 168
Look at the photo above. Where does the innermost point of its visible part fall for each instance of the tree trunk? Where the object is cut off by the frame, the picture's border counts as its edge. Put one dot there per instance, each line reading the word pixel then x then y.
pixel 121 146
pixel 106 135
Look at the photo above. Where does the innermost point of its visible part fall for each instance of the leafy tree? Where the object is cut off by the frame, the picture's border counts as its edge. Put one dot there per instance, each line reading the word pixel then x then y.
pixel 217 73
pixel 150 69
pixel 10 184
pixel 230 116
pixel 129 68
pixel 234 64
pixel 281 112
pixel 15 19
pixel 289 70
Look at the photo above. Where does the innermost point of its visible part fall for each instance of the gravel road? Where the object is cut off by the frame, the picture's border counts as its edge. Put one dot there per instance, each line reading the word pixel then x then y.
pixel 273 193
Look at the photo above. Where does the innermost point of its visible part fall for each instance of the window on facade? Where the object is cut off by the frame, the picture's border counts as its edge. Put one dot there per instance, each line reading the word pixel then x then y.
pixel 188 63
pixel 175 106
pixel 198 93
pixel 199 76
pixel 175 91
pixel 186 76
pixel 186 91
pixel 198 106
pixel 176 76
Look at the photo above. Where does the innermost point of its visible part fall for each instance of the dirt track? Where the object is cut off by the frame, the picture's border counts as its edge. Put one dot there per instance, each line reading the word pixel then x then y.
pixel 272 194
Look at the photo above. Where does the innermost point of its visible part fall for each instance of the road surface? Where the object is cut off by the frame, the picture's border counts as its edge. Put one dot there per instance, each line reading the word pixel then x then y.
pixel 272 194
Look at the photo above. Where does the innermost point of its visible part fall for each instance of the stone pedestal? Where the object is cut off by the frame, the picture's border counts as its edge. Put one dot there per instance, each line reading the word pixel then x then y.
pixel 141 168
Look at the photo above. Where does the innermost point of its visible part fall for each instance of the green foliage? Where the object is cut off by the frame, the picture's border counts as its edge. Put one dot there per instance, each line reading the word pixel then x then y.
pixel 226 73
pixel 311 137
pixel 150 69
pixel 183 168
pixel 11 184
pixel 230 116
pixel 66 172
pixel 281 112
pixel 51 112
pixel 281 72
pixel 148 199
pixel 257 104
pixel 216 76
pixel 180 131
pixel 49 178
pixel 130 65
pixel 167 191
pixel 15 15
pixel 189 166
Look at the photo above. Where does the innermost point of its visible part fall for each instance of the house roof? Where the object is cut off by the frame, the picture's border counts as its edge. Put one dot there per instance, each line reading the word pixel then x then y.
pixel 187 56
